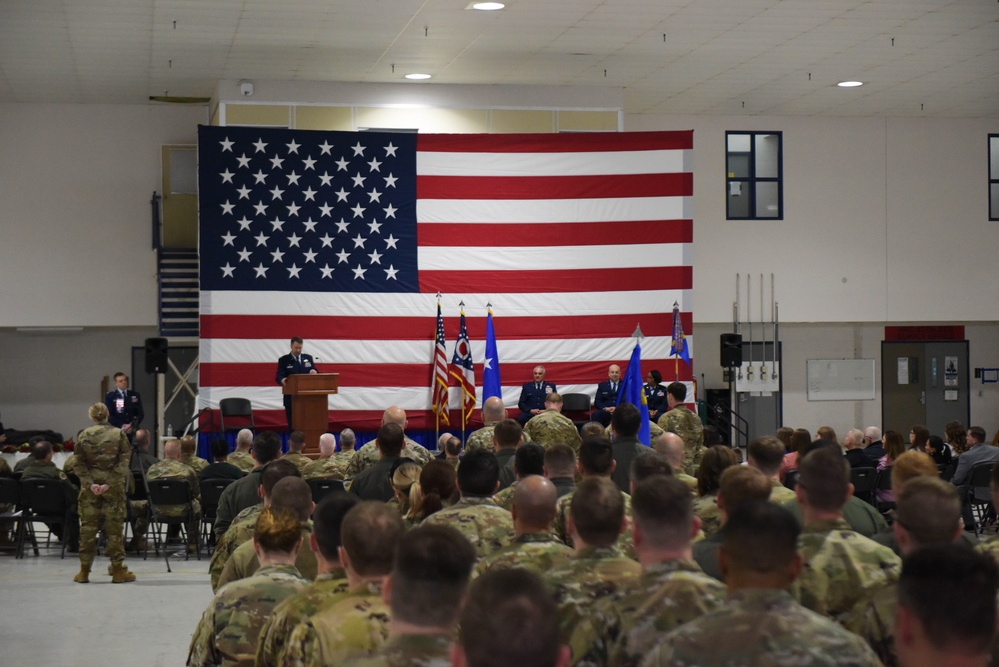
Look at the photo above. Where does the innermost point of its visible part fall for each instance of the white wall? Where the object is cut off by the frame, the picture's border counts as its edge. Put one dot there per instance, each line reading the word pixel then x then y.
pixel 75 218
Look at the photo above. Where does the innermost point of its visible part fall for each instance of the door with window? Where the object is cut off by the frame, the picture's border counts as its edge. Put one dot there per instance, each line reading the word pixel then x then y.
pixel 924 382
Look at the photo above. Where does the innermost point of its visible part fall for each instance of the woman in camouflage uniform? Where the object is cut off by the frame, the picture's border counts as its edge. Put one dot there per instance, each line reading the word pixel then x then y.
pixel 101 464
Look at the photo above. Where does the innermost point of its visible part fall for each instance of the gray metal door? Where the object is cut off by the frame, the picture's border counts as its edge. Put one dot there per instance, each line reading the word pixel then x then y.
pixel 924 383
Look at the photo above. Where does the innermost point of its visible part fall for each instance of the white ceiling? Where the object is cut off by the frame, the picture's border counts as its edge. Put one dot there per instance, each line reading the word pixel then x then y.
pixel 916 57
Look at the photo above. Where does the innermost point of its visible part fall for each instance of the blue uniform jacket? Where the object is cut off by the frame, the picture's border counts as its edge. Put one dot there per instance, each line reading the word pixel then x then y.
pixel 605 397
pixel 288 366
pixel 131 409
pixel 532 398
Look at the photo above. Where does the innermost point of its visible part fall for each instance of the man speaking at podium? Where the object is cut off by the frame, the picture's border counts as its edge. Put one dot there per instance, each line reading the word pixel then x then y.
pixel 294 363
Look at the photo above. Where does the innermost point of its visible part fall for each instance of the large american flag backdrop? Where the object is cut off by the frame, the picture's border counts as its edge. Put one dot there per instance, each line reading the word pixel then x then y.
pixel 346 238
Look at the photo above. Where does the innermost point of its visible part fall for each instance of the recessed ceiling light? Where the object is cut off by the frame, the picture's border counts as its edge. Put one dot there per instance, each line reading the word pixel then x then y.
pixel 850 84
pixel 417 76
pixel 488 6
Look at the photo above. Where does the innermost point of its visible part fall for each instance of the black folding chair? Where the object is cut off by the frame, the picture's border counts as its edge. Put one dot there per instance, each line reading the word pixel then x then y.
pixel 44 500
pixel 979 495
pixel 211 492
pixel 577 408
pixel 863 480
pixel 241 409
pixel 947 470
pixel 12 515
pixel 167 492
pixel 323 486
pixel 884 484
pixel 791 479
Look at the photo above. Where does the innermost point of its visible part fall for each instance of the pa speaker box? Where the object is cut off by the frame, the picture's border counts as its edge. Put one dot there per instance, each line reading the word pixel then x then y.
pixel 156 355
pixel 731 350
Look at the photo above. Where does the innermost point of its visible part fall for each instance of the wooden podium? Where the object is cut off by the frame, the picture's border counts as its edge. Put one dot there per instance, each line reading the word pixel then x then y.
pixel 309 405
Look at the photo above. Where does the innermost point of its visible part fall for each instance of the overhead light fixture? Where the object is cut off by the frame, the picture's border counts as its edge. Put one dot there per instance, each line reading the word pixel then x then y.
pixel 417 76
pixel 850 84
pixel 487 6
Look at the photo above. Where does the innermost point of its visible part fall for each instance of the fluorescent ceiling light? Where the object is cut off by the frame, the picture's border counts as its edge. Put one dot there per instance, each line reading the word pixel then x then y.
pixel 417 76
pixel 850 84
pixel 487 6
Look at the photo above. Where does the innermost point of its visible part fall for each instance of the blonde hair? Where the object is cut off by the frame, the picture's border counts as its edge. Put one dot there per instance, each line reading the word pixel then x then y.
pixel 910 465
pixel 278 530
pixel 98 412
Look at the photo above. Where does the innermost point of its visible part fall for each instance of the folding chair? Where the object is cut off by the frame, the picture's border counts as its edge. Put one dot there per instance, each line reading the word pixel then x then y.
pixel 10 497
pixel 211 492
pixel 791 479
pixel 44 500
pixel 323 486
pixel 235 407
pixel 863 480
pixel 980 495
pixel 578 404
pixel 884 484
pixel 167 492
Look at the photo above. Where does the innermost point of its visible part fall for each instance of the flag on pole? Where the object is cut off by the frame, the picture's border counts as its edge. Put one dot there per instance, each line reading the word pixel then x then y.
pixel 491 384
pixel 463 371
pixel 439 390
pixel 678 348
pixel 632 392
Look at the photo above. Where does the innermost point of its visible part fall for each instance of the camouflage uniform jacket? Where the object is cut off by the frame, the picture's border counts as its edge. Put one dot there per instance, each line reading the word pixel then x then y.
pixel 487 526
pixel 874 618
pixel 689 480
pixel 483 439
pixel 242 460
pixel 410 651
pixel 354 625
pixel 300 460
pixel 243 562
pixel 334 466
pixel 227 633
pixel 706 508
pixel 368 455
pixel 239 532
pixel 590 574
pixel 553 428
pixel 326 589
pixel 687 425
pixel 504 498
pixel 625 545
pixel 840 567
pixel 540 552
pixel 780 494
pixel 174 469
pixel 860 515
pixel 624 627
pixel 761 627
pixel 194 462
pixel 990 548
pixel 101 457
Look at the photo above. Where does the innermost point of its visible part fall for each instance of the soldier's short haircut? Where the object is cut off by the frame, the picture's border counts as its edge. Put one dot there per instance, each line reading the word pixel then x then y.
pixel 141 438
pixel 220 448
pixel 713 436
pixel 910 465
pixel 478 473
pixel 391 439
pixel 740 484
pixel 294 495
pixel 188 445
pixel 824 475
pixel 760 536
pixel 593 430
pixel 662 508
pixel 978 433
pixel 119 374
pixel 370 534
pixel 296 339
pixel 597 511
pixel 510 618
pixel 274 472
pixel 560 460
pixel 296 441
pixel 98 412
pixel 677 390
pixel 244 437
pixel 767 453
pixel 553 397
pixel 929 509
pixel 596 455
pixel 951 589
pixel 536 502
pixel 41 449
pixel 713 463
pixel 328 519
pixel 430 575
pixel 530 459
pixel 277 530
pixel 266 447
pixel 508 433
pixel 647 464
pixel 347 440
pixel 626 420
pixel 453 446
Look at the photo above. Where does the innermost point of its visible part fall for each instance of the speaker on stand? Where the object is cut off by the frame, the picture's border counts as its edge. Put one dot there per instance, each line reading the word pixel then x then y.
pixel 156 355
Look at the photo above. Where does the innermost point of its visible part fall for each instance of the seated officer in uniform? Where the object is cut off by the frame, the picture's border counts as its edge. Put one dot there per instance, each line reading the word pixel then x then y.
pixel 533 394
pixel 606 399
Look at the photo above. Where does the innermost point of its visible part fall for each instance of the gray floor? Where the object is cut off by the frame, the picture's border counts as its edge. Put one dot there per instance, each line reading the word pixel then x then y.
pixel 50 620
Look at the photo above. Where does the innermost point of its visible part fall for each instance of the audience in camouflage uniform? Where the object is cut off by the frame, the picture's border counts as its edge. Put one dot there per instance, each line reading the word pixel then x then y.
pixel 551 427
pixel 680 420
pixel 331 463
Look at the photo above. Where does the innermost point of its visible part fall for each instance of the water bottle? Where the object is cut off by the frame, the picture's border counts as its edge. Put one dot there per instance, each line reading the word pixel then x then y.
pixel 169 430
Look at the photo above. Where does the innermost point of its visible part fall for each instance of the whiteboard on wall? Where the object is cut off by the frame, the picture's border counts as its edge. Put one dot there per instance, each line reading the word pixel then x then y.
pixel 841 379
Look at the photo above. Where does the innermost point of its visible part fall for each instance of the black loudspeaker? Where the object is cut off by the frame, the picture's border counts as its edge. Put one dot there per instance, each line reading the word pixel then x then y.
pixel 731 350
pixel 156 355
